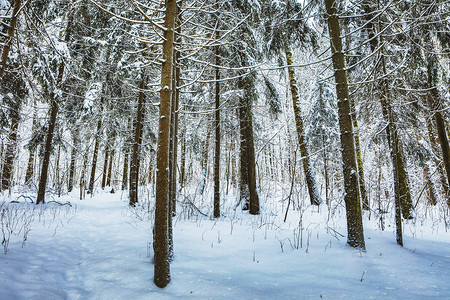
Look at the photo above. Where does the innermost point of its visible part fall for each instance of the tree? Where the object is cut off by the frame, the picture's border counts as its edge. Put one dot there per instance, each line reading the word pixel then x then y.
pixel 355 237
pixel 161 229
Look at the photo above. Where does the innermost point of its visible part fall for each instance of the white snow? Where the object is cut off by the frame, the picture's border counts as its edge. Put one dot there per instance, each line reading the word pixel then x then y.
pixel 101 249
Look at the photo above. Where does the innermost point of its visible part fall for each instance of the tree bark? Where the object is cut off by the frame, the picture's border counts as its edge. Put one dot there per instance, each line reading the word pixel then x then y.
pixel 161 229
pixel 105 165
pixel 217 136
pixel 47 150
pixel 110 165
pixel 96 146
pixel 125 171
pixel 30 164
pixel 134 167
pixel 73 158
pixel 10 154
pixel 355 229
pixel 249 195
pixel 314 196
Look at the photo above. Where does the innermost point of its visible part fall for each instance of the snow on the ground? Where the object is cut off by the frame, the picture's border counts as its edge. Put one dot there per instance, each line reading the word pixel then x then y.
pixel 101 249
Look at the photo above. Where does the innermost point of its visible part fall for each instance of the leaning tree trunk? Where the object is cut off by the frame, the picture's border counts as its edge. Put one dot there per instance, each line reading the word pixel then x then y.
pixel 47 150
pixel 355 229
pixel 96 146
pixel 314 196
pixel 161 228
pixel 11 148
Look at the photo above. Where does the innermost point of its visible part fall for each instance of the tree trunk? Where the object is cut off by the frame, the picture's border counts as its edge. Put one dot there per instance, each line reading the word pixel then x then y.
pixel 73 158
pixel 355 229
pixel 404 193
pixel 30 164
pixel 437 152
pixel 183 160
pixel 435 104
pixel 10 154
pixel 110 166
pixel 359 161
pixel 249 195
pixel 173 152
pixel 47 150
pixel 10 37
pixel 430 188
pixel 125 171
pixel 217 137
pixel 96 146
pixel 244 186
pixel 105 165
pixel 204 161
pixel 161 229
pixel 134 167
pixel 314 196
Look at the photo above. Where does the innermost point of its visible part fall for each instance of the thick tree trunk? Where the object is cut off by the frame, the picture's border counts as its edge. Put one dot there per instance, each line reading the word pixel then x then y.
pixel 161 229
pixel 314 196
pixel 134 167
pixel 355 229
pixel 249 195
pixel 244 186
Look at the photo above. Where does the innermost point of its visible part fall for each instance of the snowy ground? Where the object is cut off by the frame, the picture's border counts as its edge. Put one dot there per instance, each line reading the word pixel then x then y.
pixel 101 249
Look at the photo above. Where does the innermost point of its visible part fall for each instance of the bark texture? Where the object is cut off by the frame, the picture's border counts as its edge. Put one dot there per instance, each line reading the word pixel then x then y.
pixel 355 237
pixel 161 228
pixel 134 166
pixel 249 194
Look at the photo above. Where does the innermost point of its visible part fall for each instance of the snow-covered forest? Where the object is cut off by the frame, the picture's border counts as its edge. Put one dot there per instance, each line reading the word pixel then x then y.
pixel 237 149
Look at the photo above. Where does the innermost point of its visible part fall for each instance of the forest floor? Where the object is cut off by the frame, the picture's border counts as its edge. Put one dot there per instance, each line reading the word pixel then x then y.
pixel 101 249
